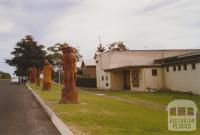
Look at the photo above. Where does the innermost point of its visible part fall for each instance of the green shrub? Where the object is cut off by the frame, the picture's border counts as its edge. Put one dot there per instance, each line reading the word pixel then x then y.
pixel 4 75
pixel 86 82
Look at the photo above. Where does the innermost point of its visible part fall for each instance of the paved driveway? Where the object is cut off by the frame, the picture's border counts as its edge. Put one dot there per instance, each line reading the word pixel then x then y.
pixel 21 114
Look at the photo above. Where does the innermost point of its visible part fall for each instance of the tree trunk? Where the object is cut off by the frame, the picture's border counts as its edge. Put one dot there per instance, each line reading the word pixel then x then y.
pixel 69 93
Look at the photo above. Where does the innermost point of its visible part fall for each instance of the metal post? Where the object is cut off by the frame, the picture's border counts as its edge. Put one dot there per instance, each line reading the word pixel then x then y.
pixel 59 76
pixel 163 70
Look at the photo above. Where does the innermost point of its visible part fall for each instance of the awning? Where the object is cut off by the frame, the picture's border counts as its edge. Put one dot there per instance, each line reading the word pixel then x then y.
pixel 133 66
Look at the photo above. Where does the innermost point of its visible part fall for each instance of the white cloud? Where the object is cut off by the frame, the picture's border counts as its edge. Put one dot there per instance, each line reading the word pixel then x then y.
pixel 166 24
pixel 155 24
pixel 5 26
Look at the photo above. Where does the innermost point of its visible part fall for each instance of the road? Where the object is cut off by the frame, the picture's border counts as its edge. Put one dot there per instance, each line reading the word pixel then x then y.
pixel 21 114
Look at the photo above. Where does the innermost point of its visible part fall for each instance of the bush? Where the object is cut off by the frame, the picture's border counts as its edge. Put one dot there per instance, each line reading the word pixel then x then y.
pixel 86 82
pixel 81 81
pixel 4 75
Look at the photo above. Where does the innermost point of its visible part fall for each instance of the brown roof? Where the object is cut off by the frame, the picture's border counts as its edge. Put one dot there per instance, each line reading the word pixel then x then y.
pixel 189 57
pixel 89 62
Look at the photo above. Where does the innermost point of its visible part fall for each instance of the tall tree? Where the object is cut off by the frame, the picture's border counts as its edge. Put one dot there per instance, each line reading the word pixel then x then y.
pixel 26 54
pixel 55 58
pixel 119 46
pixel 100 49
pixel 55 55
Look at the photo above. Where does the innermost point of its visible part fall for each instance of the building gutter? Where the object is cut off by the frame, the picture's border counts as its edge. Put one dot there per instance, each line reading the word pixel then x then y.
pixel 135 66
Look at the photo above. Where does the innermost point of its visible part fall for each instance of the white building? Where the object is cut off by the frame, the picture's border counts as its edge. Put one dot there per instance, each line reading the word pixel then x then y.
pixel 141 70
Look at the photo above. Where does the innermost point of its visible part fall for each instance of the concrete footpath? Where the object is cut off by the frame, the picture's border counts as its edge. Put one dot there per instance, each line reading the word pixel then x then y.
pixel 21 114
pixel 62 128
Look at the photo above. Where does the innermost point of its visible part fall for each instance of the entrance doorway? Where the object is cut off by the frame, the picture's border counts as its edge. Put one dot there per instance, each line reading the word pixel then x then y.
pixel 135 78
pixel 126 74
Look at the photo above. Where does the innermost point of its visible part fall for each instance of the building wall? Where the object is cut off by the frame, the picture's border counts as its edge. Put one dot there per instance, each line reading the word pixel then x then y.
pixel 104 81
pixel 116 59
pixel 101 62
pixel 117 80
pixel 146 80
pixel 89 71
pixel 184 81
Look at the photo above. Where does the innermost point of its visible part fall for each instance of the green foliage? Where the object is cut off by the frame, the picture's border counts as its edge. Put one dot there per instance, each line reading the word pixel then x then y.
pixel 86 82
pixel 118 46
pixel 55 55
pixel 4 75
pixel 100 49
pixel 26 54
pixel 55 76
pixel 78 55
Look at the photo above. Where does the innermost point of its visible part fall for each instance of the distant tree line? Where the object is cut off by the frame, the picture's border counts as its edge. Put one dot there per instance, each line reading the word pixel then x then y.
pixel 115 46
pixel 29 53
pixel 4 75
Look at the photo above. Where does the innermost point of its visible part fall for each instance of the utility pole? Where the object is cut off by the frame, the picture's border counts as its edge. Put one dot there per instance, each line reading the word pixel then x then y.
pixel 100 40
pixel 59 74
pixel 100 52
pixel 163 70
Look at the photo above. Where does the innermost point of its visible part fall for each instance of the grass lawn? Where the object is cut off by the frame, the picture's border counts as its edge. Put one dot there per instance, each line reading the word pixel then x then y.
pixel 115 113
pixel 155 97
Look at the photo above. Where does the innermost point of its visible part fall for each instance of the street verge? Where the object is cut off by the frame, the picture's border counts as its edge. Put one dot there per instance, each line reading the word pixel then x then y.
pixel 62 128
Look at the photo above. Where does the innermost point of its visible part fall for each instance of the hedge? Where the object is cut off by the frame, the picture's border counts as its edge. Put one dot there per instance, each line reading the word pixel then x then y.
pixel 86 82
pixel 4 75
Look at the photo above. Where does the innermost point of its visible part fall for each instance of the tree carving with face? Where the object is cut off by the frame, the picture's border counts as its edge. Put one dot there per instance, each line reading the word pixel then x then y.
pixel 32 74
pixel 69 92
pixel 47 68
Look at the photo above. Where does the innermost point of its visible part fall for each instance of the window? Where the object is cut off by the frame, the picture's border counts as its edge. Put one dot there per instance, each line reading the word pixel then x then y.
pixel 190 111
pixel 106 78
pixel 181 111
pixel 97 61
pixel 167 69
pixel 154 72
pixel 102 78
pixel 193 66
pixel 185 67
pixel 107 84
pixel 179 67
pixel 173 111
pixel 174 68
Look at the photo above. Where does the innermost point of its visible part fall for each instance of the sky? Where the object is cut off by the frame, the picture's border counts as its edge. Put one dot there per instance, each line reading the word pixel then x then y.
pixel 140 24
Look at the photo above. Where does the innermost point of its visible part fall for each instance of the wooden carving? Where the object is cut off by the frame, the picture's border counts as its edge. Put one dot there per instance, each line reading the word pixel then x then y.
pixel 33 74
pixel 69 92
pixel 47 68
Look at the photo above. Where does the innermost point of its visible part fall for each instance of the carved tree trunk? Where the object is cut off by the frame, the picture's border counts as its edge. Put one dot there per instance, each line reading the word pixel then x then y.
pixel 33 75
pixel 69 92
pixel 47 76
